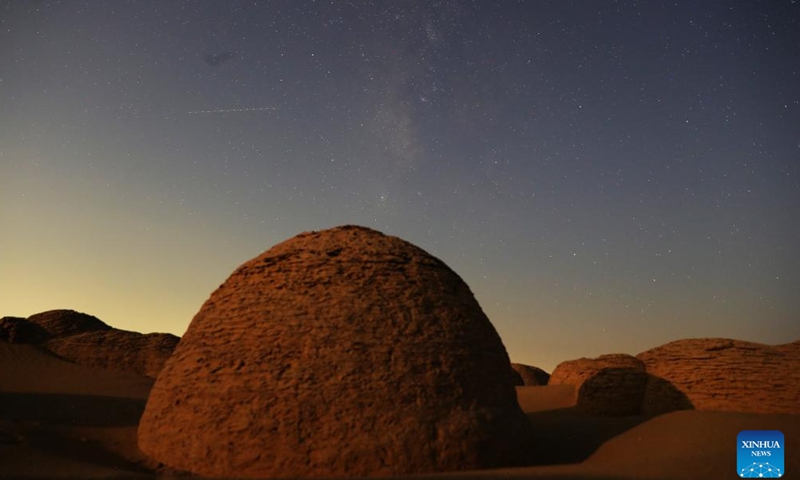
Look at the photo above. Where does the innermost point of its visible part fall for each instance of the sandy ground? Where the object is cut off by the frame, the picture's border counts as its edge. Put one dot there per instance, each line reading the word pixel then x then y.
pixel 61 420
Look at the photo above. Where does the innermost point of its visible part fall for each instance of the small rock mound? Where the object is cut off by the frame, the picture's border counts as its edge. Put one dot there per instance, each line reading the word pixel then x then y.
pixel 114 349
pixel 19 330
pixel 609 385
pixel 86 340
pixel 724 374
pixel 62 323
pixel 528 376
pixel 344 352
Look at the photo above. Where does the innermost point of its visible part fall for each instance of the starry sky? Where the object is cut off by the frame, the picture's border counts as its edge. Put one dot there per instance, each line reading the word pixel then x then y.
pixel 606 176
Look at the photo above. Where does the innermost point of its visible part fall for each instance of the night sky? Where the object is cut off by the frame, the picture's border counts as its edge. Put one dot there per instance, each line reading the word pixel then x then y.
pixel 605 176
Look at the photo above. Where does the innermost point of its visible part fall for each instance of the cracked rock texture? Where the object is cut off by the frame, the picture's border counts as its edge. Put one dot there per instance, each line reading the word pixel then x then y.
pixel 723 374
pixel 343 352
pixel 529 376
pixel 609 385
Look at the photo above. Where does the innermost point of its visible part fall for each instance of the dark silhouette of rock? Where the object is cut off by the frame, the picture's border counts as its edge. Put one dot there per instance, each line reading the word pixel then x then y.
pixel 661 396
pixel 724 374
pixel 609 385
pixel 62 323
pixel 115 349
pixel 19 330
pixel 528 376
pixel 343 352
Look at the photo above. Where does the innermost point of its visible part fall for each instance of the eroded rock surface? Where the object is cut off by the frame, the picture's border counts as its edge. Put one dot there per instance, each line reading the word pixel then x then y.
pixel 343 352
pixel 723 374
pixel 62 323
pixel 86 340
pixel 610 385
pixel 114 349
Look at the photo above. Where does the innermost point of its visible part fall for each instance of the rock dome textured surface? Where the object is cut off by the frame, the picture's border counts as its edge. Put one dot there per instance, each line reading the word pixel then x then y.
pixel 609 385
pixel 344 352
pixel 723 374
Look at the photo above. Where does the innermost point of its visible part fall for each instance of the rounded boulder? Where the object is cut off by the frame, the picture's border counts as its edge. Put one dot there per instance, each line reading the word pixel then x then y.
pixel 344 352
pixel 609 385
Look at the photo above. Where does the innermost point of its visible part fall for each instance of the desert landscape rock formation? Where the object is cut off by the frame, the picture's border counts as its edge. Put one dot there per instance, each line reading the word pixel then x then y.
pixel 344 352
pixel 19 330
pixel 723 374
pixel 348 352
pixel 65 420
pixel 87 340
pixel 691 374
pixel 63 323
pixel 608 385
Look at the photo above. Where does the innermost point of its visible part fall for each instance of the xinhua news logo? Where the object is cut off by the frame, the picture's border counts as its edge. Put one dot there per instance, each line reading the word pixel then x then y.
pixel 759 454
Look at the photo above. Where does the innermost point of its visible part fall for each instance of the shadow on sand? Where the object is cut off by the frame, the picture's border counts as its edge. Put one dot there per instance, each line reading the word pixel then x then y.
pixel 71 410
pixel 53 423
pixel 570 435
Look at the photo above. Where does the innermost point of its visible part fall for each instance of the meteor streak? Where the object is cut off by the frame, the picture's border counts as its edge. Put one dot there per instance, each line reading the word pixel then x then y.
pixel 227 110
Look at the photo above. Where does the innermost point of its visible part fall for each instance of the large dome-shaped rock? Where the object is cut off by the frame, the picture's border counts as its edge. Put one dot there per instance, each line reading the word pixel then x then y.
pixel 723 374
pixel 343 352
pixel 528 376
pixel 62 323
pixel 609 385
pixel 115 349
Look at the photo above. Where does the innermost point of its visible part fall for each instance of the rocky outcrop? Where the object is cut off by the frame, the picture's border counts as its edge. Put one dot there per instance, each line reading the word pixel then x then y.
pixel 86 340
pixel 609 385
pixel 19 330
pixel 62 323
pixel 704 374
pixel 343 352
pixel 114 349
pixel 723 374
pixel 528 376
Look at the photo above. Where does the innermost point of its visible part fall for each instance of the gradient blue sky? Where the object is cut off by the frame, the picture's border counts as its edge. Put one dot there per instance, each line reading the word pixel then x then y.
pixel 606 176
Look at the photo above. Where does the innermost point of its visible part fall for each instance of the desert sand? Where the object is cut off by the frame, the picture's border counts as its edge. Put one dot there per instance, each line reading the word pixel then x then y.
pixel 62 420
